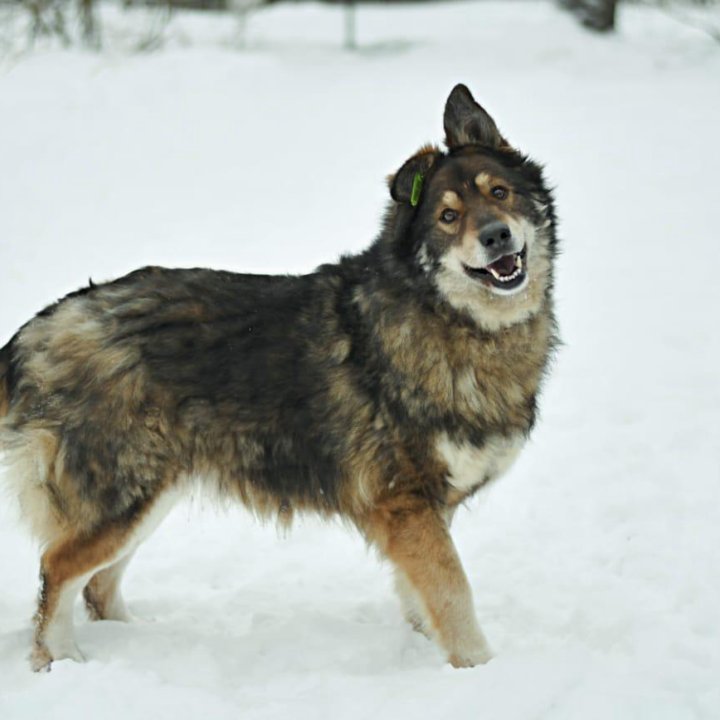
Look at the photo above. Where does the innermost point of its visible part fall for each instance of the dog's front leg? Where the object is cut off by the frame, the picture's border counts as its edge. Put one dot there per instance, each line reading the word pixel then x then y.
pixel 414 536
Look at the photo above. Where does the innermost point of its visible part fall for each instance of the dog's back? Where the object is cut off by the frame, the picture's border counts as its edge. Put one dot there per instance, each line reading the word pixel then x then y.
pixel 120 389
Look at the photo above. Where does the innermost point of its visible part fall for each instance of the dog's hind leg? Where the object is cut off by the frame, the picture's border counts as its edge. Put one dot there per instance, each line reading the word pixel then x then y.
pixel 65 568
pixel 76 559
pixel 415 537
pixel 102 595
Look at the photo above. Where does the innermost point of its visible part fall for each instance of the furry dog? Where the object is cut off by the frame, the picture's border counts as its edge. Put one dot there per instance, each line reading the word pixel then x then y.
pixel 385 388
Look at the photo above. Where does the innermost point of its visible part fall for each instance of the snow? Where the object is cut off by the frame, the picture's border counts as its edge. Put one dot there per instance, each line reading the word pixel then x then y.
pixel 594 562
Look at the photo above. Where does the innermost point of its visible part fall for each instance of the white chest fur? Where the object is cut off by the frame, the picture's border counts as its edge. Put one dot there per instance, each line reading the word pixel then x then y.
pixel 470 466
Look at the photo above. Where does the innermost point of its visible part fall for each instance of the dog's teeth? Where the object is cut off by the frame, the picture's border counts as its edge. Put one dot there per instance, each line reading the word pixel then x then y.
pixel 507 278
pixel 513 275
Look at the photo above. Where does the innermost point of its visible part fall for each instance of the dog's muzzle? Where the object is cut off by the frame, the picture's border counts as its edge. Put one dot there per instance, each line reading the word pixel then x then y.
pixel 508 272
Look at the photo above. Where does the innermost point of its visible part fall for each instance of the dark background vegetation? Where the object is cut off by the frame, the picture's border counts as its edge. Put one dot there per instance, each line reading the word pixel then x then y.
pixel 77 21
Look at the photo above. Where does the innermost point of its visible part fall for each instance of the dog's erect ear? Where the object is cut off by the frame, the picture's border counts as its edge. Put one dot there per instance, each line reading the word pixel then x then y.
pixel 406 184
pixel 466 123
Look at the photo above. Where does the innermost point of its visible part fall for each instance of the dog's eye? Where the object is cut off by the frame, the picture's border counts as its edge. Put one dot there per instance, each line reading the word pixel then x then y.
pixel 449 216
pixel 499 192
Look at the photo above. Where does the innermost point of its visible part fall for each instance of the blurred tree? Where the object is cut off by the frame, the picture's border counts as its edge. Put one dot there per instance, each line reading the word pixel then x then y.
pixel 243 9
pixel 593 14
pixel 350 25
pixel 90 28
pixel 48 18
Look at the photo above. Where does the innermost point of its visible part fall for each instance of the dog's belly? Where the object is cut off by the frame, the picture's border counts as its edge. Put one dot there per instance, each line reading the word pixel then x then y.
pixel 470 466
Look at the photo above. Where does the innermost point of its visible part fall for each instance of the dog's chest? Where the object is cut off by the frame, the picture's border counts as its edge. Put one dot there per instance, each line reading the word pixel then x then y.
pixel 470 466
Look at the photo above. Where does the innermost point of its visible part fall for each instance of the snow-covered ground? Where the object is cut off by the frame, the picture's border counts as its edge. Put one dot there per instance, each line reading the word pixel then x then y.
pixel 595 562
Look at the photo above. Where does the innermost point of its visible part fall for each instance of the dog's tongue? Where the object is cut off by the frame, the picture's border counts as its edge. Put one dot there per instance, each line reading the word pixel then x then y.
pixel 503 266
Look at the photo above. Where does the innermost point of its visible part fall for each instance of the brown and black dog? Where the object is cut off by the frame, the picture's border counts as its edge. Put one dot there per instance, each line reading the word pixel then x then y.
pixel 385 389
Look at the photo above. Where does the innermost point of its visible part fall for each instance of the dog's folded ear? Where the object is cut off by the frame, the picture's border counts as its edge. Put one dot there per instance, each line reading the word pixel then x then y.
pixel 401 184
pixel 467 123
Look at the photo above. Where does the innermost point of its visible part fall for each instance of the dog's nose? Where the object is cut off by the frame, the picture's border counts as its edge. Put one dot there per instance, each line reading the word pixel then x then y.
pixel 495 235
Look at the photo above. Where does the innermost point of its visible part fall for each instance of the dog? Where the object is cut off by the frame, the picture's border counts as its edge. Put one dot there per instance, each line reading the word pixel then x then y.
pixel 386 388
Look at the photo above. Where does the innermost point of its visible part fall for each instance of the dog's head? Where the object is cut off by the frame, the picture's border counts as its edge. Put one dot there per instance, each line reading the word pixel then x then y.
pixel 478 219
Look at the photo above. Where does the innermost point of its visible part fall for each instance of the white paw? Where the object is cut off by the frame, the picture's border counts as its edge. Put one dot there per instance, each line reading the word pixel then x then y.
pixel 70 652
pixel 40 659
pixel 470 657
pixel 120 614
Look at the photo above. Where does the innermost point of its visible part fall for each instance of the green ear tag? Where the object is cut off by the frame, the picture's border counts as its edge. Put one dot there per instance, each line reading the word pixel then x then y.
pixel 416 189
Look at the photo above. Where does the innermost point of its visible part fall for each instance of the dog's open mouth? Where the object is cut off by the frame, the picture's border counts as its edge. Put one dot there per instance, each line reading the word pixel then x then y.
pixel 506 273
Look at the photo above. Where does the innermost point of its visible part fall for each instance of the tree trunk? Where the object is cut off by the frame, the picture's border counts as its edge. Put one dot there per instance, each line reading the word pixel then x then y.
pixel 596 15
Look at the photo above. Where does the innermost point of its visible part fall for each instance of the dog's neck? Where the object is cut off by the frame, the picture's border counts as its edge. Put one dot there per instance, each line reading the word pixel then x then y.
pixel 451 369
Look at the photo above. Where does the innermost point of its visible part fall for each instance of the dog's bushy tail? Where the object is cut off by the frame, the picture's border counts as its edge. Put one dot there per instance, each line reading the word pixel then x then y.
pixel 26 458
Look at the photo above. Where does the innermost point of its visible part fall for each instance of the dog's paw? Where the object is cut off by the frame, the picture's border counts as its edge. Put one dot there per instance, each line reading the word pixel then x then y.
pixel 470 658
pixel 40 659
pixel 116 614
pixel 71 652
